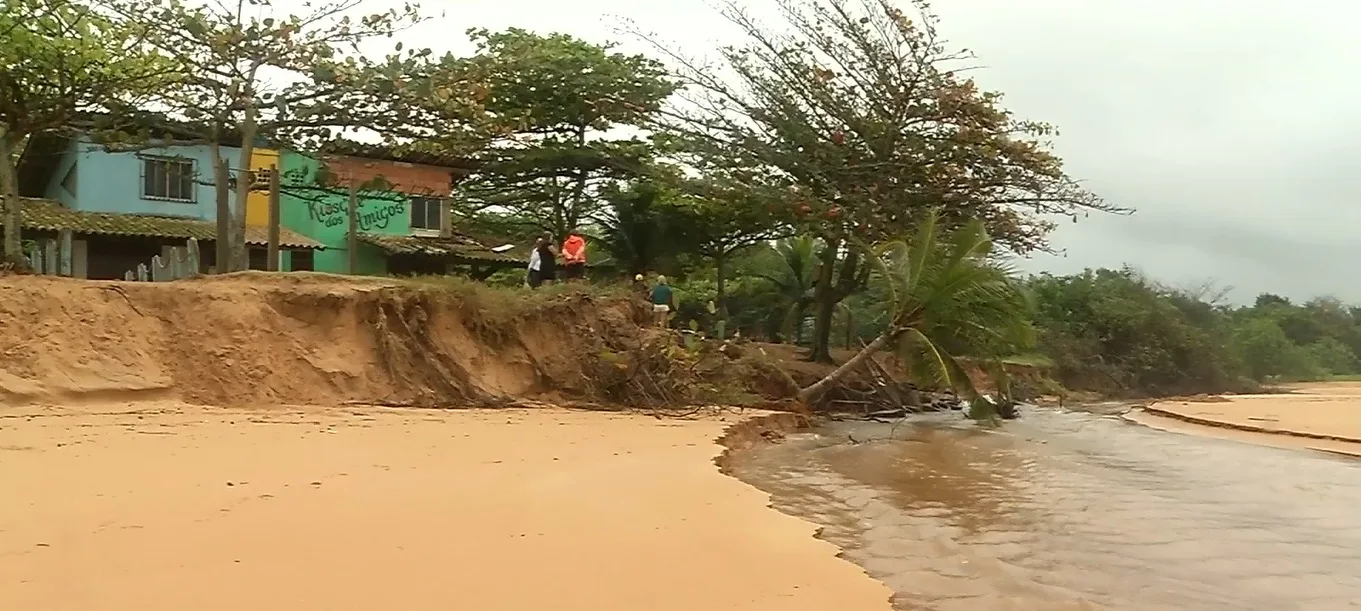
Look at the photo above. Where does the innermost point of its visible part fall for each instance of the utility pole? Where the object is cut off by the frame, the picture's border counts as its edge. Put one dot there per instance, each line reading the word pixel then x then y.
pixel 353 237
pixel 273 249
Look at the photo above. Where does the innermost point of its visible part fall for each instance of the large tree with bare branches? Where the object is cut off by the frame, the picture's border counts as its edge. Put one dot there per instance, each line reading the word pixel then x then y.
pixel 871 117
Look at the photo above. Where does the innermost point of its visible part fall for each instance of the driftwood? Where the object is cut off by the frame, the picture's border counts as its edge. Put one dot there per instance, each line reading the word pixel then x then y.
pixel 873 393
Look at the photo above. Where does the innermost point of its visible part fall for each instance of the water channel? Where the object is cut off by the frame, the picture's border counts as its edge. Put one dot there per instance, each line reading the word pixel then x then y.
pixel 1073 510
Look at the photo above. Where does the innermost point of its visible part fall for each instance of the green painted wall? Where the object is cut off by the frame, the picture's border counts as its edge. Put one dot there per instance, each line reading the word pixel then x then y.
pixel 323 217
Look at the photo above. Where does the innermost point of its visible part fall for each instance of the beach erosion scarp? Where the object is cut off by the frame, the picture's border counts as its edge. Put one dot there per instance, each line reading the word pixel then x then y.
pixel 214 445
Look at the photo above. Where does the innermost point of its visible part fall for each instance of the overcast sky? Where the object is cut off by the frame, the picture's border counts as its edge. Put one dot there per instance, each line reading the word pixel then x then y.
pixel 1233 127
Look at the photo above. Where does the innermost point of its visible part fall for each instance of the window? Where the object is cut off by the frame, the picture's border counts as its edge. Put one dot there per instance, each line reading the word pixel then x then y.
pixel 425 213
pixel 169 179
pixel 258 258
pixel 302 261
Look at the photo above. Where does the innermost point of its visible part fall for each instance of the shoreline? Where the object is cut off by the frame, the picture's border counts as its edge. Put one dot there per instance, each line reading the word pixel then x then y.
pixel 1324 417
pixel 167 506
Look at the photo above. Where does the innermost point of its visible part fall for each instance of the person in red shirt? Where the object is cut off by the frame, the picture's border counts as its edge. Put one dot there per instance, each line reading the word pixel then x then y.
pixel 574 257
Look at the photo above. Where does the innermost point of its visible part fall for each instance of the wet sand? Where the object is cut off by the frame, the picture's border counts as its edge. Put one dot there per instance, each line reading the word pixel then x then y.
pixel 1321 416
pixel 153 507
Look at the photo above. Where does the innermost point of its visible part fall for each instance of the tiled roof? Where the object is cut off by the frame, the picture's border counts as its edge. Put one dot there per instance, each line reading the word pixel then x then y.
pixel 457 247
pixel 52 216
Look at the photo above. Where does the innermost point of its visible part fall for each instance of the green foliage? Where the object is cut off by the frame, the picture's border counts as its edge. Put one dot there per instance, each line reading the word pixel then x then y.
pixel 63 60
pixel 555 99
pixel 948 297
pixel 639 233
pixel 860 110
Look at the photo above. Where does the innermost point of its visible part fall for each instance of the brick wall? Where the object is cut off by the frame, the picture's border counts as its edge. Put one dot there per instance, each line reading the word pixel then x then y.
pixel 408 178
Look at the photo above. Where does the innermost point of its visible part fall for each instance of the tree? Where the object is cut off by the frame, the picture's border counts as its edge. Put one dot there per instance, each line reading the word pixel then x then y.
pixel 255 75
pixel 721 216
pixel 947 295
pixel 62 60
pixel 868 114
pixel 636 233
pixel 559 102
pixel 790 268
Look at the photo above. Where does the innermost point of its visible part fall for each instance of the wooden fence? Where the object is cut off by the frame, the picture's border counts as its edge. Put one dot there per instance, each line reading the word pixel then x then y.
pixel 180 262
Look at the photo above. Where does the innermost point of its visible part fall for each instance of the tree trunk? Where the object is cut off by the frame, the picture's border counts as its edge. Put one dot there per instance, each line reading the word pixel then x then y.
pixel 573 211
pixel 816 390
pixel 245 179
pixel 222 241
pixel 9 197
pixel 721 283
pixel 824 303
pixel 850 327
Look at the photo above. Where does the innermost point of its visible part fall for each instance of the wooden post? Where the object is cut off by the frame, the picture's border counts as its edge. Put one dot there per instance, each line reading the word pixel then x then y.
pixel 224 218
pixel 66 264
pixel 352 266
pixel 273 251
pixel 446 218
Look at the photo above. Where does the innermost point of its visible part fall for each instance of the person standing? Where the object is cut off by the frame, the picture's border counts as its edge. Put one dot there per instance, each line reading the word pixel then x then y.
pixel 574 257
pixel 532 277
pixel 663 302
pixel 548 260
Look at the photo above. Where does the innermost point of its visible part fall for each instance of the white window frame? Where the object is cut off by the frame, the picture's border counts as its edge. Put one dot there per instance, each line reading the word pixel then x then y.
pixel 147 160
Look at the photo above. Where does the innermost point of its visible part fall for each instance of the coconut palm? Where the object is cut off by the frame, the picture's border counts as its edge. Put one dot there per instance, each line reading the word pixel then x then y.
pixel 948 295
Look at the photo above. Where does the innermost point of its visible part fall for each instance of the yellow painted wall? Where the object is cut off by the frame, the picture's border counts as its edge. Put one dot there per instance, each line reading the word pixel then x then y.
pixel 257 203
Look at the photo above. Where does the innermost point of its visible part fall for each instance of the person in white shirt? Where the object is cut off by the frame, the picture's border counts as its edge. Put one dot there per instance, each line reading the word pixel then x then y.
pixel 533 279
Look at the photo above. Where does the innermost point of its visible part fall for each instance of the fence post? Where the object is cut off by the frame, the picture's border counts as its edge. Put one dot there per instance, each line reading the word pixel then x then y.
pixel 50 257
pixel 194 259
pixel 35 257
pixel 66 262
pixel 178 257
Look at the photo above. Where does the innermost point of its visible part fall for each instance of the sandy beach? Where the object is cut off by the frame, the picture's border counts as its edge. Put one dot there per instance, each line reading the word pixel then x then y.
pixel 163 506
pixel 1320 416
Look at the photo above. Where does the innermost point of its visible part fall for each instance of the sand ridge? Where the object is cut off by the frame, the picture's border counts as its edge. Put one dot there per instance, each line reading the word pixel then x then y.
pixel 1321 416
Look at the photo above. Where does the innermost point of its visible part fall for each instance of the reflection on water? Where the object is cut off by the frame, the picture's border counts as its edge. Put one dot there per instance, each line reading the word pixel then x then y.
pixel 1075 511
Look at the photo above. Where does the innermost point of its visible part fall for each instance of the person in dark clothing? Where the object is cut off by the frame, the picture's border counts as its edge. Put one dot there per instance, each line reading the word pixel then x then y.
pixel 548 261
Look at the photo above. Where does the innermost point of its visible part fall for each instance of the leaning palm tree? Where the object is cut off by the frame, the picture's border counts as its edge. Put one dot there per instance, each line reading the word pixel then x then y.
pixel 948 294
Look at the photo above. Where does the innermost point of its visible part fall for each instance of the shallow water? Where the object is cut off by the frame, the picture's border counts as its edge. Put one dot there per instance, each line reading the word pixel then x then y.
pixel 1066 510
